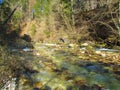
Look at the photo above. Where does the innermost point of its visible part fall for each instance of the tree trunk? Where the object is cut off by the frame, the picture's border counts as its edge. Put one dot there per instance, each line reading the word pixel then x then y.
pixel 72 15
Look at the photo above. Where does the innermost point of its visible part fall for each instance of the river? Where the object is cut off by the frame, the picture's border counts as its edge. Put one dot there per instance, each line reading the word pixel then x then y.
pixel 67 67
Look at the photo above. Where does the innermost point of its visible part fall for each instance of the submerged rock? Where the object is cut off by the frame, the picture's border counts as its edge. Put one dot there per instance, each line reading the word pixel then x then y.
pixel 37 85
pixel 47 88
pixel 84 87
pixel 97 87
pixel 36 89
pixel 94 68
pixel 69 88
pixel 99 79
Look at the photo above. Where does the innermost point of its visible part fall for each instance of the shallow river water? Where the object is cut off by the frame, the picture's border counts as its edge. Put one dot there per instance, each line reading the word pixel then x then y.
pixel 54 67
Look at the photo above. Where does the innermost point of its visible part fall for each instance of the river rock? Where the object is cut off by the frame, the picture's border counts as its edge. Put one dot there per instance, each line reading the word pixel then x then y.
pixel 36 89
pixel 20 44
pixel 94 68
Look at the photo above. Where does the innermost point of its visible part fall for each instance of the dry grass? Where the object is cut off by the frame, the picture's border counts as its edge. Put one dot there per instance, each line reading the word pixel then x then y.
pixel 95 25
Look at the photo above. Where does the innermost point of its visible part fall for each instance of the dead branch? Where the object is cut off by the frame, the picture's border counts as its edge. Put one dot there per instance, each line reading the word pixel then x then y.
pixel 9 17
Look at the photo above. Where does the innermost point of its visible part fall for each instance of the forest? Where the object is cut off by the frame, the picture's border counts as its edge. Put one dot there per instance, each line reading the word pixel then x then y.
pixel 59 44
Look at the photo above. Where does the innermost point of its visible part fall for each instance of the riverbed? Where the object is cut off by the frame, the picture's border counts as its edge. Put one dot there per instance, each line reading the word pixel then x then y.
pixel 68 67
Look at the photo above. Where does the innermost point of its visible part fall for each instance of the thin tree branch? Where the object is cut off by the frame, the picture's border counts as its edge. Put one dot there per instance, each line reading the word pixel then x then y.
pixel 9 17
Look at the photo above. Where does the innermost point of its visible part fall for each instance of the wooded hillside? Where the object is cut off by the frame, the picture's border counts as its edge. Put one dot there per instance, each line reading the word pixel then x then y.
pixel 43 20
